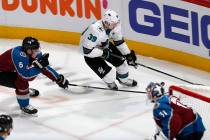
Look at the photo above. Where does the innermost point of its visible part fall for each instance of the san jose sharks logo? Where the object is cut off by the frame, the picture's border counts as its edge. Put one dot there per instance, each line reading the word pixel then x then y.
pixel 101 70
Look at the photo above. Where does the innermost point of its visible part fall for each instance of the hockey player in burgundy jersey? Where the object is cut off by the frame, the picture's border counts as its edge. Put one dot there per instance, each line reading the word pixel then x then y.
pixel 174 119
pixel 22 64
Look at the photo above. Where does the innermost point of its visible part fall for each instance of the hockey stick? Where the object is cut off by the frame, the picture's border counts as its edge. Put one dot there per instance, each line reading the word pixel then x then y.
pixel 170 75
pixel 148 67
pixel 143 92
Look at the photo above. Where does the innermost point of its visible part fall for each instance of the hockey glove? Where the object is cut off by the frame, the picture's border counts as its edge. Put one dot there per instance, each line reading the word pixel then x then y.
pixel 62 82
pixel 131 58
pixel 42 62
pixel 106 53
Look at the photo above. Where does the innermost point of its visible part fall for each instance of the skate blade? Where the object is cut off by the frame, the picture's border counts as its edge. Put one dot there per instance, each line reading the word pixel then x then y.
pixel 23 114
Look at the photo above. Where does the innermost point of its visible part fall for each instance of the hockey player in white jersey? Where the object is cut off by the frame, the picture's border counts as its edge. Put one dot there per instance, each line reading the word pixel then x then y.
pixel 98 49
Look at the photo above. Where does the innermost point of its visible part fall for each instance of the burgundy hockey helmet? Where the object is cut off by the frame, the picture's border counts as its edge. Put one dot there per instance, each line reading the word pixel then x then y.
pixel 30 43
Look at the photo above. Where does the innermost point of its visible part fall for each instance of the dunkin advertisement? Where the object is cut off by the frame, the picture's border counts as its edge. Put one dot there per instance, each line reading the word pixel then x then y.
pixel 66 15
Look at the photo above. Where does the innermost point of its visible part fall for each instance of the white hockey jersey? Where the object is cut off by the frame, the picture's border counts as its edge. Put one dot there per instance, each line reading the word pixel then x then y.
pixel 95 38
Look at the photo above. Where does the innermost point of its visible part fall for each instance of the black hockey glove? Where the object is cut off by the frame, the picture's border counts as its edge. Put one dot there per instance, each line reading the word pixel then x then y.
pixel 42 62
pixel 131 58
pixel 106 53
pixel 62 82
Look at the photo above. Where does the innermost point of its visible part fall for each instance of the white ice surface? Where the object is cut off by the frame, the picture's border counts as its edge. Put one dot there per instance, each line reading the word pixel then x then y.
pixel 89 114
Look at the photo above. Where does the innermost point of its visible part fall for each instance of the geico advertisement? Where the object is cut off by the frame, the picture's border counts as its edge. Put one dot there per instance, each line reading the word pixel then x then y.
pixel 67 15
pixel 173 24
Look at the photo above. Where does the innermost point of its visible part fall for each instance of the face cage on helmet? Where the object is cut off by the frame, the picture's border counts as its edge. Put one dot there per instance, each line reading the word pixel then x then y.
pixel 153 96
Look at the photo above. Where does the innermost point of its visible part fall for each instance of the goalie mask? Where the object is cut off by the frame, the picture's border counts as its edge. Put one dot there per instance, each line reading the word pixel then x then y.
pixel 110 19
pixel 154 91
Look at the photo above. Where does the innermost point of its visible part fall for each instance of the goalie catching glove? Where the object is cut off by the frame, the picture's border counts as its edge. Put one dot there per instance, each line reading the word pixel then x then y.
pixel 42 62
pixel 131 58
pixel 62 82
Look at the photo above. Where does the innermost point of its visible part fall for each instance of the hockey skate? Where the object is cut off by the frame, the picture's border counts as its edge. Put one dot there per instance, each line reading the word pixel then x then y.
pixel 112 86
pixel 30 110
pixel 128 82
pixel 33 92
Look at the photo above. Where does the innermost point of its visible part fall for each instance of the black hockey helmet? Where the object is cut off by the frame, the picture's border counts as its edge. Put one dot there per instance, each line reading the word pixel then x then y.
pixel 30 43
pixel 6 123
